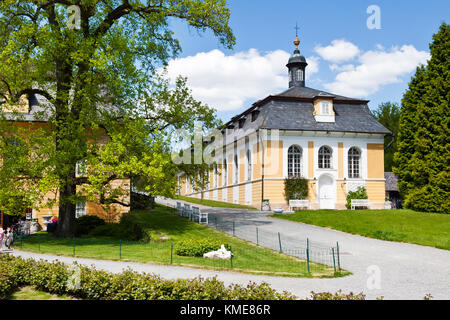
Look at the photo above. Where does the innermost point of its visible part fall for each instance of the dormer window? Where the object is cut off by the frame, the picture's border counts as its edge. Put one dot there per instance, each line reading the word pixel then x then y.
pixel 241 122
pixel 255 114
pixel 325 107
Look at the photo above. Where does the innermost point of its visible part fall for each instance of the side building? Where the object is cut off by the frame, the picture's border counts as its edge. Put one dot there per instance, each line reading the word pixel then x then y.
pixel 30 114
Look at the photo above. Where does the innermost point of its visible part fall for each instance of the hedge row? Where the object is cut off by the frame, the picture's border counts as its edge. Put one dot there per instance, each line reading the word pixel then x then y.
pixel 129 285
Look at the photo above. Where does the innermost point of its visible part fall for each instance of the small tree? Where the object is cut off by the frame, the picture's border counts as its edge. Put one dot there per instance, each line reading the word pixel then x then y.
pixel 295 188
pixel 360 193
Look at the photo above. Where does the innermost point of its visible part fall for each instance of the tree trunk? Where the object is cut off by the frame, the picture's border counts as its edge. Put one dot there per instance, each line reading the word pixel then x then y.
pixel 66 220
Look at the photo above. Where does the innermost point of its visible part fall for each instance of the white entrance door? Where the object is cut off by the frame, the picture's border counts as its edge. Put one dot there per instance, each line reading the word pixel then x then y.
pixel 327 194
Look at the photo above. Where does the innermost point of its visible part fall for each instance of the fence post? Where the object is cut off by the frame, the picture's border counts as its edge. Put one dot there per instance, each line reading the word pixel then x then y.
pixel 39 243
pixel 73 240
pixel 307 253
pixel 171 253
pixel 233 229
pixel 120 249
pixel 338 258
pixel 334 262
pixel 257 237
pixel 279 242
pixel 231 257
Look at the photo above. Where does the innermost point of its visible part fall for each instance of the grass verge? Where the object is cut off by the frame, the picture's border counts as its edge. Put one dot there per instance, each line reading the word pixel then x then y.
pixel 428 229
pixel 248 257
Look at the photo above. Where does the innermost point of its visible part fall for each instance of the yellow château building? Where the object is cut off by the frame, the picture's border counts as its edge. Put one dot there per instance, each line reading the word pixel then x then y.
pixel 332 141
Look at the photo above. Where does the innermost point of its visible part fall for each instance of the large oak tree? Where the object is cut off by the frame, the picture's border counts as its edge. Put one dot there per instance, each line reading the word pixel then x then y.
pixel 95 75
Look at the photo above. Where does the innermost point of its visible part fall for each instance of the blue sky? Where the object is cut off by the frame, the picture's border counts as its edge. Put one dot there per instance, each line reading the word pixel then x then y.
pixel 264 33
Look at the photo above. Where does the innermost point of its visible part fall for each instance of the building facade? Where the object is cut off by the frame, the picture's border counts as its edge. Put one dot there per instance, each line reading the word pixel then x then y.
pixel 332 141
pixel 30 114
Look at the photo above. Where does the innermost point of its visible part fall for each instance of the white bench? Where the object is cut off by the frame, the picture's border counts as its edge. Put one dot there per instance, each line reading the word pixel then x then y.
pixel 200 217
pixel 299 204
pixel 359 203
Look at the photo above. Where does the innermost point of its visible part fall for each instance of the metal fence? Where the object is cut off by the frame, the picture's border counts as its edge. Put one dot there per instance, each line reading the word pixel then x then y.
pixel 306 249
pixel 256 259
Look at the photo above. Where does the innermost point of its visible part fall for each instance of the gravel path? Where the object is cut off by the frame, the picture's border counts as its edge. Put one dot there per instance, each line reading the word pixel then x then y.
pixel 407 271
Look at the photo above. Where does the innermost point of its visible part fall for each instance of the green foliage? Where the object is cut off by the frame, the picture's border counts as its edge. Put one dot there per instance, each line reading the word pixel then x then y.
pixel 388 114
pixel 336 296
pixel 422 162
pixel 198 247
pixel 126 229
pixel 360 193
pixel 100 79
pixel 295 188
pixel 85 224
pixel 128 285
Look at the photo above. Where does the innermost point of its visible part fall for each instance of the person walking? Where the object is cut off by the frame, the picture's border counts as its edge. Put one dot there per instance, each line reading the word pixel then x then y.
pixel 2 233
pixel 9 238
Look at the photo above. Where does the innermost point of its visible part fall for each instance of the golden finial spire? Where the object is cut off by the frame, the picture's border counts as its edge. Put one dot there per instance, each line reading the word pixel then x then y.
pixel 297 40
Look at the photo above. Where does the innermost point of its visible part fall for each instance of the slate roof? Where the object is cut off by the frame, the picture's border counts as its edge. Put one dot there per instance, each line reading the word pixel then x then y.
pixel 37 111
pixel 391 181
pixel 293 110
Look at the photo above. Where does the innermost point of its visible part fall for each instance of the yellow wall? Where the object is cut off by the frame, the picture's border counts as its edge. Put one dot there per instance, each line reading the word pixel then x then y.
pixel 340 160
pixel 376 191
pixel 273 161
pixel 375 161
pixel 310 159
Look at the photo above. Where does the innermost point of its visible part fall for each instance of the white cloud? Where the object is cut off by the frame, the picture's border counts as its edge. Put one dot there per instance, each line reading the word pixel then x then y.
pixel 340 50
pixel 345 67
pixel 226 82
pixel 377 68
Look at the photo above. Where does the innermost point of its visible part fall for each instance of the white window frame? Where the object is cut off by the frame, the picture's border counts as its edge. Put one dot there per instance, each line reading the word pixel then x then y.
pixel 236 169
pixel 80 168
pixel 299 75
pixel 249 165
pixel 225 173
pixel 80 208
pixel 354 167
pixel 325 108
pixel 322 161
pixel 294 161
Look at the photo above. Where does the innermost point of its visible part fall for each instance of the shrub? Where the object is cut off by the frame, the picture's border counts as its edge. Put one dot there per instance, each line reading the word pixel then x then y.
pixel 360 193
pixel 128 285
pixel 126 229
pixel 85 224
pixel 336 296
pixel 197 248
pixel 295 188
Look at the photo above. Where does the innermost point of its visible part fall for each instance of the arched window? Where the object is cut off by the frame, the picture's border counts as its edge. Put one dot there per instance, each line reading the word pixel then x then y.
pixel 294 161
pixel 354 157
pixel 236 169
pixel 225 173
pixel 324 157
pixel 249 165
pixel 299 75
pixel 215 176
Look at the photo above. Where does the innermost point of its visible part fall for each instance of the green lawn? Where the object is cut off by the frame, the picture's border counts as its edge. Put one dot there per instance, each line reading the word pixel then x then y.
pixel 428 229
pixel 29 293
pixel 160 223
pixel 212 203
